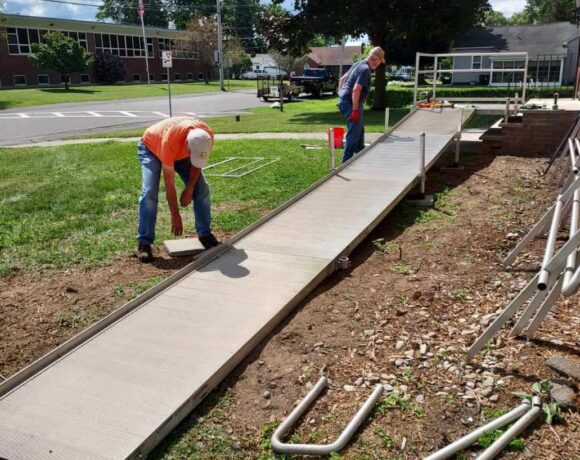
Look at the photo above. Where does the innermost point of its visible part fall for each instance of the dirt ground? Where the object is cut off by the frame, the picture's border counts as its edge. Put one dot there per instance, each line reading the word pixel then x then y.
pixel 421 288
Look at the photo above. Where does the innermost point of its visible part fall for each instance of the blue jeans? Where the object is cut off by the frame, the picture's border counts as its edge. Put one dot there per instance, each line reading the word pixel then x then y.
pixel 151 173
pixel 355 134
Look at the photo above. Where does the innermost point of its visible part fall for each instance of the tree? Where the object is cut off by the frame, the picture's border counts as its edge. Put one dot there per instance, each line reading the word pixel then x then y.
pixel 398 26
pixel 125 12
pixel 237 60
pixel 495 18
pixel 62 54
pixel 545 11
pixel 283 61
pixel 182 12
pixel 109 68
pixel 239 21
pixel 200 36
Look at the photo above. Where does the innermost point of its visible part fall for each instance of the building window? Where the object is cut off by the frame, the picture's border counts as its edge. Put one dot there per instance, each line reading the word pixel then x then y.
pixel 476 62
pixel 20 40
pixel 136 77
pixel 177 76
pixel 179 48
pixel 122 45
pixel 19 80
pixel 151 77
pixel 64 78
pixel 43 80
pixel 85 78
pixel 189 76
pixel 163 77
pixel 201 76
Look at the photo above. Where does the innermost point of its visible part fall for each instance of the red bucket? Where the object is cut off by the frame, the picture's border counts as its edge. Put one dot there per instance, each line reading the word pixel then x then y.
pixel 338 137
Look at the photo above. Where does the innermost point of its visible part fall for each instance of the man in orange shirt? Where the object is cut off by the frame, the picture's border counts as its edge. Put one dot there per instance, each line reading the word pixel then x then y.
pixel 181 145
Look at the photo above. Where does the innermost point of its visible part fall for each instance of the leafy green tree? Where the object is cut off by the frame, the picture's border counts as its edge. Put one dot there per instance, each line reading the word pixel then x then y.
pixel 400 27
pixel 520 19
pixel 546 11
pixel 181 12
pixel 239 21
pixel 109 68
pixel 495 18
pixel 62 54
pixel 125 12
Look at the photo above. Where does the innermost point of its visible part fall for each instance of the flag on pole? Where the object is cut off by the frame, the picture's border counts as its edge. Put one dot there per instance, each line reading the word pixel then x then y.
pixel 141 9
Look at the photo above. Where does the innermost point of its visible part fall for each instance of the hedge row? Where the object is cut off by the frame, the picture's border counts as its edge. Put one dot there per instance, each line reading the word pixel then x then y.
pixel 402 96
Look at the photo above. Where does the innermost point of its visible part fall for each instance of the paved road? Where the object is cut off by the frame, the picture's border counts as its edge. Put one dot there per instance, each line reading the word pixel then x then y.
pixel 23 126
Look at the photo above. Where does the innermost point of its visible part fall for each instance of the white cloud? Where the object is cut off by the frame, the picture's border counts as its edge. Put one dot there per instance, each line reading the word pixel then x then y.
pixel 508 7
pixel 51 10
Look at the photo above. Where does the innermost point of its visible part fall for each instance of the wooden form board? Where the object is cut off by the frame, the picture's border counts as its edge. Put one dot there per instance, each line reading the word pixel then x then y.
pixel 120 392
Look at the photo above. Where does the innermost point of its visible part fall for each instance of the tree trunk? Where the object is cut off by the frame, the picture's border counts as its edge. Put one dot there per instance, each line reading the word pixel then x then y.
pixel 380 101
pixel 66 79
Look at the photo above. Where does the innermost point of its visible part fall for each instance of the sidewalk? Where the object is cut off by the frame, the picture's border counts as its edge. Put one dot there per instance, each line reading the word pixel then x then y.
pixel 369 137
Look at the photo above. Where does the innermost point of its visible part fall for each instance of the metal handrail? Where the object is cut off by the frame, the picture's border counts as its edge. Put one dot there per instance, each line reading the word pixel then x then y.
pixel 322 449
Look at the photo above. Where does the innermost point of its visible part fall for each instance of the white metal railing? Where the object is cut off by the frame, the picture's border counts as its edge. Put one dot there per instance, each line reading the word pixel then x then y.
pixel 438 71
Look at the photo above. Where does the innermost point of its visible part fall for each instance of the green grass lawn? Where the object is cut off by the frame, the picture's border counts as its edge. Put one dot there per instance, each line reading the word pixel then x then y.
pixel 77 204
pixel 298 117
pixel 26 97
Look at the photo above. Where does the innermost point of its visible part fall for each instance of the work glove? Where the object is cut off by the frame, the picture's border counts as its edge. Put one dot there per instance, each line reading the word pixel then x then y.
pixel 354 115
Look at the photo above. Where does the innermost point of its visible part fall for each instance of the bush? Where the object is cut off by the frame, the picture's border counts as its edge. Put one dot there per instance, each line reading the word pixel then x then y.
pixel 402 96
pixel 109 68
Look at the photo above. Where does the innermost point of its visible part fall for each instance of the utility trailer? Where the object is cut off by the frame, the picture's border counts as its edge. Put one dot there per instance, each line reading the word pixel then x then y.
pixel 269 88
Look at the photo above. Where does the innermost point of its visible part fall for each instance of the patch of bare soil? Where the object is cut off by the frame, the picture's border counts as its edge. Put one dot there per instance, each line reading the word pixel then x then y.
pixel 421 288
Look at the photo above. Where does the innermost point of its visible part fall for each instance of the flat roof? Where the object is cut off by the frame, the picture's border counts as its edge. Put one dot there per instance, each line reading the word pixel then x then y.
pixel 73 25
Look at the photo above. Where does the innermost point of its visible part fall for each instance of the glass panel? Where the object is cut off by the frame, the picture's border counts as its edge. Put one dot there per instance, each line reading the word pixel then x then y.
pixel 82 36
pixel 11 30
pixel 122 52
pixel 23 36
pixel 98 41
pixel 114 43
pixel 115 52
pixel 43 79
pixel 13 49
pixel 555 71
pixel 24 49
pixel 19 80
pixel 106 41
pixel 12 39
pixel 33 35
pixel 129 53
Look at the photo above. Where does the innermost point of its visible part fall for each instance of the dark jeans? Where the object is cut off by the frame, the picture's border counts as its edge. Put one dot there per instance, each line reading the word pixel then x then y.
pixel 151 173
pixel 355 134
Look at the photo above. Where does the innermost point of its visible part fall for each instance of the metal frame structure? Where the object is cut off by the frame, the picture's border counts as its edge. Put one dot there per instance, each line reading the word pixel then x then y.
pixel 322 449
pixel 559 273
pixel 245 173
pixel 437 71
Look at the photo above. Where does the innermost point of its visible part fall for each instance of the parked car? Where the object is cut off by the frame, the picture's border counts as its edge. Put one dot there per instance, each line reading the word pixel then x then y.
pixel 254 74
pixel 405 73
pixel 275 72
pixel 316 81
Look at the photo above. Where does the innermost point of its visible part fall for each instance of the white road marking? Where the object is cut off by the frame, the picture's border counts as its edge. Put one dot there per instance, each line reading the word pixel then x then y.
pixel 23 115
pixel 59 114
pixel 128 114
pixel 95 114
pixel 161 114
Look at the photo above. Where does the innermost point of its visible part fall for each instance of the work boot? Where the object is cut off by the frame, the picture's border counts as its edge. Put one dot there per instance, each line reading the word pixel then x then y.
pixel 209 241
pixel 144 253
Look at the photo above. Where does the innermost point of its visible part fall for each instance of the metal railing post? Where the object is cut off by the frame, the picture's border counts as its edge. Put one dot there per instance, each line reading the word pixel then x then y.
pixel 516 103
pixel 435 76
pixel 555 106
pixel 417 62
pixel 507 110
pixel 422 162
pixel 331 140
pixel 387 114
pixel 458 139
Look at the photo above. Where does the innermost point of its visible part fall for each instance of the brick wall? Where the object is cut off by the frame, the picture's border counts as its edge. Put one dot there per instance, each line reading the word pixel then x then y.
pixel 538 134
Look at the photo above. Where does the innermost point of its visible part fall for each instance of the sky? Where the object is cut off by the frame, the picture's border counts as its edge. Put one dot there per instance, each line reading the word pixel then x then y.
pixel 87 13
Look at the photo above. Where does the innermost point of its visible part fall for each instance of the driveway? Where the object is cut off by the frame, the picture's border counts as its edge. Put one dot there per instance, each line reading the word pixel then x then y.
pixel 35 124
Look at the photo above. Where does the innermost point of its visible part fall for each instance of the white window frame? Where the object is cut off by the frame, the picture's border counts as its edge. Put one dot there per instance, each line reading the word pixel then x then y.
pixel 83 42
pixel 43 75
pixel 473 63
pixel 176 75
pixel 138 75
pixel 123 51
pixel 85 82
pixel 19 84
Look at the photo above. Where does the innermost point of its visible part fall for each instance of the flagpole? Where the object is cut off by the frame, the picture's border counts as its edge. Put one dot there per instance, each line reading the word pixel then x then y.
pixel 141 11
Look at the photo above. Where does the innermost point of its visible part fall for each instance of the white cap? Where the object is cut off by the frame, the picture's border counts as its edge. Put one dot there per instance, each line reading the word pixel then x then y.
pixel 199 142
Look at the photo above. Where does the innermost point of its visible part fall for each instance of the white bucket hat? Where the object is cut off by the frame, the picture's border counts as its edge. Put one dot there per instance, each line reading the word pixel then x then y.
pixel 199 142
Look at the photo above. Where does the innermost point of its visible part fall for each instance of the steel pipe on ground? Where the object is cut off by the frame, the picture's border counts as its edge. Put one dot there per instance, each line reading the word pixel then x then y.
pixel 321 449
pixel 571 274
pixel 470 438
pixel 550 245
pixel 501 443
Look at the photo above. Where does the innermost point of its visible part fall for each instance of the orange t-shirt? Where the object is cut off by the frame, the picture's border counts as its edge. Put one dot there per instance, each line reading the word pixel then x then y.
pixel 167 139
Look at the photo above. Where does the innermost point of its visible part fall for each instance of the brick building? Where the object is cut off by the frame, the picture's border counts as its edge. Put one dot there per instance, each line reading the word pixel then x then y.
pixel 126 41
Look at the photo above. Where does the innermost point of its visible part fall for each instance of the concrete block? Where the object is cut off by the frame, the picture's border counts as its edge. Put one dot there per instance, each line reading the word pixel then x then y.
pixel 183 247
pixel 565 366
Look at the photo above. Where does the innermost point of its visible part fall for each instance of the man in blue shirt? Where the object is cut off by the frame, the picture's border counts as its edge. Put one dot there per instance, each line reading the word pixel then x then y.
pixel 354 88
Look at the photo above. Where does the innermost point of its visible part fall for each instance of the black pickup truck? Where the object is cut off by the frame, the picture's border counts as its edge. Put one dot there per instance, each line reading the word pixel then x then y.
pixel 316 82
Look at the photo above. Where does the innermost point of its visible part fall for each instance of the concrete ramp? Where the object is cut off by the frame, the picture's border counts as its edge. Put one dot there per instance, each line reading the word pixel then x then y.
pixel 117 389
